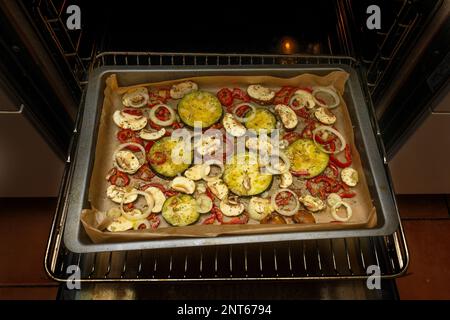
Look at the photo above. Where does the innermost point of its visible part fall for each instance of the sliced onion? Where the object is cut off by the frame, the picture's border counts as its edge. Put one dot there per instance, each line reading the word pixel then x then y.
pixel 124 145
pixel 301 97
pixel 214 162
pixel 159 122
pixel 290 212
pixel 335 132
pixel 144 214
pixel 331 92
pixel 348 210
pixel 244 119
pixel 286 161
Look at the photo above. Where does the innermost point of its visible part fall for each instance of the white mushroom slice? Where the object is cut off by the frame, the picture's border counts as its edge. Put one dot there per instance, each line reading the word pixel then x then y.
pixel 136 97
pixel 231 208
pixel 158 197
pixel 127 161
pixel 333 199
pixel 183 184
pixel 304 98
pixel 129 121
pixel 207 145
pixel 116 194
pixel 201 188
pixel 325 116
pixel 120 224
pixel 232 126
pixel 259 208
pixel 204 203
pixel 287 116
pixel 152 135
pixel 260 94
pixel 255 143
pixel 312 203
pixel 218 188
pixel 286 180
pixel 113 213
pixel 181 89
pixel 350 177
pixel 197 172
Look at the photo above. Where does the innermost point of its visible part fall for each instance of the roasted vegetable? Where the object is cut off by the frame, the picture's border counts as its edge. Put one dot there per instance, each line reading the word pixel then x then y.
pixel 243 177
pixel 263 120
pixel 180 210
pixel 306 158
pixel 199 106
pixel 160 157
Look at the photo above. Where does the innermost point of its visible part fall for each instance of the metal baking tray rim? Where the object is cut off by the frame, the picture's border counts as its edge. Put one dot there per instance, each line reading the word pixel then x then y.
pixel 75 238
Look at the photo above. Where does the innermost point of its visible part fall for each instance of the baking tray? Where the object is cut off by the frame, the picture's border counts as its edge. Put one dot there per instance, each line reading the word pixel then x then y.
pixel 75 238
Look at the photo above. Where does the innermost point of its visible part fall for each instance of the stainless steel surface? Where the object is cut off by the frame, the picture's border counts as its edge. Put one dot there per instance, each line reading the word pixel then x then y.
pixel 313 259
pixel 33 171
pixel 74 235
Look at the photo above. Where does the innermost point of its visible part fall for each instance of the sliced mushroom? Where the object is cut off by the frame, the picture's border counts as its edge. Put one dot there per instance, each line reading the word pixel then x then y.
pixel 207 145
pixel 183 184
pixel 181 89
pixel 333 199
pixel 350 177
pixel 152 135
pixel 231 207
pixel 120 224
pixel 232 126
pixel 127 161
pixel 260 94
pixel 259 208
pixel 158 197
pixel 129 121
pixel 287 116
pixel 305 98
pixel 201 188
pixel 286 180
pixel 204 203
pixel 116 194
pixel 325 116
pixel 136 97
pixel 197 172
pixel 312 203
pixel 255 143
pixel 218 188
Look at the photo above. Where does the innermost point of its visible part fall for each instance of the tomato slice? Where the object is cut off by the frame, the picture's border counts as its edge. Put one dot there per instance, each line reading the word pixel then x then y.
pixel 145 173
pixel 240 95
pixel 127 135
pixel 119 178
pixel 133 112
pixel 225 97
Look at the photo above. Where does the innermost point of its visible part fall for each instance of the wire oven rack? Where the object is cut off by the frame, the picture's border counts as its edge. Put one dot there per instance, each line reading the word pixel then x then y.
pixel 346 258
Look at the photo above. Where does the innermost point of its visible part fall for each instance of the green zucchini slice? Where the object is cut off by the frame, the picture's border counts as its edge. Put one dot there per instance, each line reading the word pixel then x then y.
pixel 180 210
pixel 243 177
pixel 306 157
pixel 263 120
pixel 200 106
pixel 160 157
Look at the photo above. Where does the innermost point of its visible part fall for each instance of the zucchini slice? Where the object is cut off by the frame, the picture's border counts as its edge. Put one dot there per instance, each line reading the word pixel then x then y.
pixel 200 106
pixel 180 210
pixel 263 119
pixel 306 157
pixel 243 177
pixel 160 158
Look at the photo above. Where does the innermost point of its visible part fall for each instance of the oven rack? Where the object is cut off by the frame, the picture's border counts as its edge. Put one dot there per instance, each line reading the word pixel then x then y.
pixel 345 258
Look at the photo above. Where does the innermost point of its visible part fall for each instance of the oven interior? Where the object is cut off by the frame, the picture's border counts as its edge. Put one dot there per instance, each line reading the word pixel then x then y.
pixel 321 32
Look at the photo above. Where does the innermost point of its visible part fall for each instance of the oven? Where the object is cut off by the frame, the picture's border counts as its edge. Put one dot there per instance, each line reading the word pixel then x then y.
pixel 69 57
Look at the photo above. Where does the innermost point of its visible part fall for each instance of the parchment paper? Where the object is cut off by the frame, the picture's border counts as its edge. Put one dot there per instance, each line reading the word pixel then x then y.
pixel 94 221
